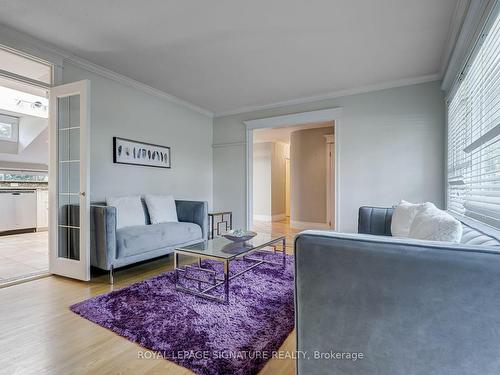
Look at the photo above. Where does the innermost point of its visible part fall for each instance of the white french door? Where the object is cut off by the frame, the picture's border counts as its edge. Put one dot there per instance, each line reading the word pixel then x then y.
pixel 69 226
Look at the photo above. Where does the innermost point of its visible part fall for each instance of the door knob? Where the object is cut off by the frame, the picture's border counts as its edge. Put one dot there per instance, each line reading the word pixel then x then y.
pixel 82 193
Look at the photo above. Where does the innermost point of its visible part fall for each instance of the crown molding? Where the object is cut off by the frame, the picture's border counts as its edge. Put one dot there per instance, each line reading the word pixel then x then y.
pixel 46 51
pixel 107 73
pixel 456 24
pixel 333 95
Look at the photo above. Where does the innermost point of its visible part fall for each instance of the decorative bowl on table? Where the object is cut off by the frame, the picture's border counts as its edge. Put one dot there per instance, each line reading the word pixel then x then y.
pixel 239 235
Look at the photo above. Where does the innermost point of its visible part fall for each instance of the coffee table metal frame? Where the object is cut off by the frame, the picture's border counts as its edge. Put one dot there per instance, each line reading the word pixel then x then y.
pixel 215 281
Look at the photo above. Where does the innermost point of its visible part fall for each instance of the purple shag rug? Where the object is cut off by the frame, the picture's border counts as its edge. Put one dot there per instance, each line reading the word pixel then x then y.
pixel 204 336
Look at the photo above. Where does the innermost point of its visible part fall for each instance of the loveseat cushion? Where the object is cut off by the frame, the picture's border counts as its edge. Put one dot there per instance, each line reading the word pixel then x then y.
pixel 129 210
pixel 140 239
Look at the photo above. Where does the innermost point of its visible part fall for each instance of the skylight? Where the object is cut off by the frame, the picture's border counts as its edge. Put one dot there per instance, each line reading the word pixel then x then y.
pixel 5 130
pixel 9 128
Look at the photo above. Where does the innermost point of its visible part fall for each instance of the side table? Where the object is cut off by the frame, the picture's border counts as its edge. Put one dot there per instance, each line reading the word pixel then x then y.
pixel 218 222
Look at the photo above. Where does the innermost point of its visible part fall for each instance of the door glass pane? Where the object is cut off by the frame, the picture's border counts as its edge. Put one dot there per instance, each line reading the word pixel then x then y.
pixel 69 243
pixel 68 112
pixel 69 177
pixel 69 144
pixel 69 210
pixel 68 137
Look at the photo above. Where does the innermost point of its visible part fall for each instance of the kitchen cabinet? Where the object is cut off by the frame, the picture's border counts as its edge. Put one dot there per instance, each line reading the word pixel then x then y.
pixel 42 210
pixel 18 208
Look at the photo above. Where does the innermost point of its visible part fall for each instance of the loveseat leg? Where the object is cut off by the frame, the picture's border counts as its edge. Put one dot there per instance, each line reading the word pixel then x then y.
pixel 111 278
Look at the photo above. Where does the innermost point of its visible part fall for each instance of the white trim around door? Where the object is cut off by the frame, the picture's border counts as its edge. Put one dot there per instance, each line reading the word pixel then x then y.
pixel 323 115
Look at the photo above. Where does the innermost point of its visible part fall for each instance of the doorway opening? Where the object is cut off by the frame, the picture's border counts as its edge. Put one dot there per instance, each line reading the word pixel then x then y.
pixel 331 151
pixel 293 177
pixel 24 163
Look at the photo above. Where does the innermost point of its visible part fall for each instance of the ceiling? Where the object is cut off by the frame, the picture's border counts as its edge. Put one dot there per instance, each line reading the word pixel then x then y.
pixel 283 134
pixel 228 55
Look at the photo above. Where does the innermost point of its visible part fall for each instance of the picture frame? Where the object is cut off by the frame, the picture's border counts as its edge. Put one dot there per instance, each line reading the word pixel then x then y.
pixel 128 151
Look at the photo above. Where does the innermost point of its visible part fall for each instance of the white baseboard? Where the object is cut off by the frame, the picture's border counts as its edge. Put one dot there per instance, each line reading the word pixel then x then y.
pixel 269 217
pixel 262 217
pixel 308 225
pixel 279 217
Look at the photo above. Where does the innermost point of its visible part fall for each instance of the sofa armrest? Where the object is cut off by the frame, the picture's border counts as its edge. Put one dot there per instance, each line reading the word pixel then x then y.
pixel 194 212
pixel 102 236
pixel 395 300
pixel 375 220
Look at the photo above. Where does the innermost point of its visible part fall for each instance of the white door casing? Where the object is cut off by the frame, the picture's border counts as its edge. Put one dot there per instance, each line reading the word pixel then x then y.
pixel 322 115
pixel 330 180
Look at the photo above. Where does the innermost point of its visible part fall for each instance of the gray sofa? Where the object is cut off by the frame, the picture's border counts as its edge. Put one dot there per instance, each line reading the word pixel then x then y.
pixel 409 306
pixel 111 248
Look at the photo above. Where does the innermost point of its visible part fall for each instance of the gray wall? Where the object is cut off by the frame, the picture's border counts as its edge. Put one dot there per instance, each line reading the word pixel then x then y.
pixel 390 146
pixel 308 175
pixel 123 111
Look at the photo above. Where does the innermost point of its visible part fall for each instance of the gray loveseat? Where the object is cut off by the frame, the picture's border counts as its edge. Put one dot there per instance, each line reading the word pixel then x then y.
pixel 111 248
pixel 409 306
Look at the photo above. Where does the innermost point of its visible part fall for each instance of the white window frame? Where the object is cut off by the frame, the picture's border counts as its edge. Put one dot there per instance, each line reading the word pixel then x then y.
pixel 14 123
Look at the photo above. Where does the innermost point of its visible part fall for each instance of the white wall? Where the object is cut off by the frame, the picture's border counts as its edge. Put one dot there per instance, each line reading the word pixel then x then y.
pixel 390 147
pixel 123 111
pixel 262 180
pixel 32 150
pixel 33 133
pixel 278 183
pixel 269 180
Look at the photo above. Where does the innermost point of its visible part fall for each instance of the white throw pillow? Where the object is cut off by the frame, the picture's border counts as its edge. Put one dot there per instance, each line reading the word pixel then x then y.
pixel 403 216
pixel 161 208
pixel 129 211
pixel 433 224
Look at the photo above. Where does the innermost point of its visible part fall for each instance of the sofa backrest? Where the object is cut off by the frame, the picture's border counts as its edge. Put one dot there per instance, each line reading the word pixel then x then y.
pixel 377 221
pixel 410 307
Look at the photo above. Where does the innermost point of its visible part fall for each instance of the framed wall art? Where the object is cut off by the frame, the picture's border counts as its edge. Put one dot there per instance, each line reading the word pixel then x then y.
pixel 127 151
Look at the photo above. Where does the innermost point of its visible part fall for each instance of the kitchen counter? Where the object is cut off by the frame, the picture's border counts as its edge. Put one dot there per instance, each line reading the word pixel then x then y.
pixel 24 187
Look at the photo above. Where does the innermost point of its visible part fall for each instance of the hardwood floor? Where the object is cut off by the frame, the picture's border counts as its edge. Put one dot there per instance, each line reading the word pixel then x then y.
pixel 40 335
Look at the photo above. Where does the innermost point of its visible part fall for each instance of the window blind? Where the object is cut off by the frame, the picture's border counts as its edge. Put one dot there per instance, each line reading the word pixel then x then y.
pixel 474 134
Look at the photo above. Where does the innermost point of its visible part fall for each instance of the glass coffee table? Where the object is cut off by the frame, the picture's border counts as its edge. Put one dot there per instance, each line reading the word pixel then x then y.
pixel 223 250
